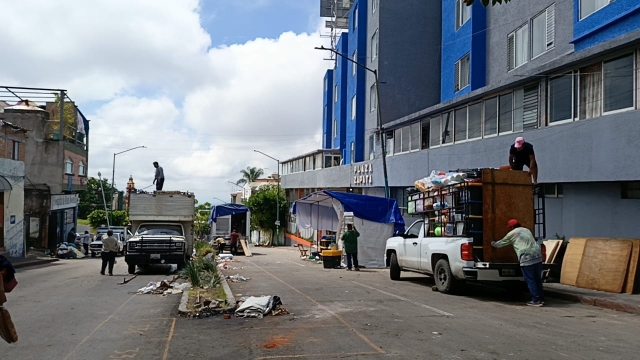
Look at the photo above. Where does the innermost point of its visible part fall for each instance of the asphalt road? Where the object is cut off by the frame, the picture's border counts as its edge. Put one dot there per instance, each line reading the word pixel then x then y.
pixel 68 311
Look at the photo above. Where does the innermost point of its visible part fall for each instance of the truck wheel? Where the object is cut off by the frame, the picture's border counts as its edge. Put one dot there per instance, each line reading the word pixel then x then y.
pixel 394 270
pixel 93 254
pixel 132 268
pixel 444 278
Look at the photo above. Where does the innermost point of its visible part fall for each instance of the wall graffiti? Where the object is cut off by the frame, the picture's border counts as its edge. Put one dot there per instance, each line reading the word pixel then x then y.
pixel 13 241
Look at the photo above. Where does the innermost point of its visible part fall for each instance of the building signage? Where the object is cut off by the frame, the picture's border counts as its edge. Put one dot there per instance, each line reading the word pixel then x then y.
pixel 64 201
pixel 363 174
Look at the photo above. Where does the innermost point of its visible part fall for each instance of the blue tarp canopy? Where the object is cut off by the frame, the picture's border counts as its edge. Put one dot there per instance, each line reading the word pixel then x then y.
pixel 226 209
pixel 370 208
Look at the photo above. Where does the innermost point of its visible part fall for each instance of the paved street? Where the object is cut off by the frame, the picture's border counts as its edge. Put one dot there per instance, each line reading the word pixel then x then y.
pixel 68 311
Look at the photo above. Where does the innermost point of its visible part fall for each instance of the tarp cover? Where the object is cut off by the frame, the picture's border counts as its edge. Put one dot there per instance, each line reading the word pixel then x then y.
pixel 226 209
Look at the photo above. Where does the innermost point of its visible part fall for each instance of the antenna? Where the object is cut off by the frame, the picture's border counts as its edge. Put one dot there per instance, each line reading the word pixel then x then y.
pixel 338 12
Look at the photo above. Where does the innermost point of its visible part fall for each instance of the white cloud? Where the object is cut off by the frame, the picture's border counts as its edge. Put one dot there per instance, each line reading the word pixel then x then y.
pixel 199 110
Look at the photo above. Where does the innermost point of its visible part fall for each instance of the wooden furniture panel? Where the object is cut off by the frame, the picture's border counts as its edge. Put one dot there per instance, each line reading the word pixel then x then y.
pixel 506 195
pixel 604 264
pixel 572 261
pixel 632 272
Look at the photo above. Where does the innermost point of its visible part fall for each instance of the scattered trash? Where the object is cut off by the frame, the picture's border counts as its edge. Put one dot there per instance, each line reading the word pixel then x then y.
pixel 257 307
pixel 223 266
pixel 173 268
pixel 436 333
pixel 227 316
pixel 164 287
pixel 225 256
pixel 279 310
pixel 127 280
pixel 236 278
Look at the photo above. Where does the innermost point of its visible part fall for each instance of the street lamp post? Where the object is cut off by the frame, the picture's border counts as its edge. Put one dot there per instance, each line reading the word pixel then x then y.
pixel 277 196
pixel 379 113
pixel 113 171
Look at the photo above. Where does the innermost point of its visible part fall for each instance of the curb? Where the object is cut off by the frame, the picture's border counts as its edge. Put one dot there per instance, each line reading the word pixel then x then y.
pixel 35 262
pixel 594 301
pixel 231 300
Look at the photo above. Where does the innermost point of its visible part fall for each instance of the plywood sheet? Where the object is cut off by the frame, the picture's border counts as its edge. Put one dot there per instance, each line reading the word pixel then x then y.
pixel 245 248
pixel 604 264
pixel 633 267
pixel 506 195
pixel 553 246
pixel 572 261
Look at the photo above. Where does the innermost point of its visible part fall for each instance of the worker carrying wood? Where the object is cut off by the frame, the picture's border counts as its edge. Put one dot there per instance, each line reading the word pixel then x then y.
pixel 530 257
pixel 521 154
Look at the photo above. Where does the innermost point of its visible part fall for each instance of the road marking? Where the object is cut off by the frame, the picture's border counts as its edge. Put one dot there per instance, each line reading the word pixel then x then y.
pixel 405 299
pixel 128 354
pixel 98 327
pixel 335 355
pixel 166 349
pixel 364 338
pixel 295 263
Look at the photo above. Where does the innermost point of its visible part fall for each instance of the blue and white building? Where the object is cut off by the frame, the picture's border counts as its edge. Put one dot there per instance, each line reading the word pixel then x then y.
pixel 458 84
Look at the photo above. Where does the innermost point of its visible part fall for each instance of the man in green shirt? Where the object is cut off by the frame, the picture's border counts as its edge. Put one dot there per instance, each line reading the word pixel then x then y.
pixel 350 238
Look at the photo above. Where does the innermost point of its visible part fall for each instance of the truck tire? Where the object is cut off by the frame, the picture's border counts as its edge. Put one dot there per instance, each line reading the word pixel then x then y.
pixel 394 268
pixel 93 254
pixel 445 282
pixel 132 268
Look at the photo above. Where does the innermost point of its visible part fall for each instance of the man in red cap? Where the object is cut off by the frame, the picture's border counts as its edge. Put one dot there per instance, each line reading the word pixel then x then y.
pixel 530 257
pixel 521 154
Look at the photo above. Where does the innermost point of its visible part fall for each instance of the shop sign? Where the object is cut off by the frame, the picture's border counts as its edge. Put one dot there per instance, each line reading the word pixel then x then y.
pixel 363 174
pixel 64 201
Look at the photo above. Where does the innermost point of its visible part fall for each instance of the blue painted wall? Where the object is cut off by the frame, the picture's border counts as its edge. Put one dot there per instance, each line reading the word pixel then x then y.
pixel 340 79
pixel 356 83
pixel 616 19
pixel 327 110
pixel 469 39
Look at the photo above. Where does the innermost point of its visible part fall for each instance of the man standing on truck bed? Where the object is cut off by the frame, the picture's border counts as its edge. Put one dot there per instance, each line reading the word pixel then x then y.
pixel 159 178
pixel 110 248
pixel 530 256
pixel 350 238
pixel 521 154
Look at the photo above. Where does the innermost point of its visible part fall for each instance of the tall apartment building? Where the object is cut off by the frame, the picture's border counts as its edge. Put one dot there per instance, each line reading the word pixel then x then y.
pixel 12 155
pixel 563 74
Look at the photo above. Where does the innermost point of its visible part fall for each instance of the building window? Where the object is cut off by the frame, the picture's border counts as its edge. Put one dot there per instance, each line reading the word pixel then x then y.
pixel 491 116
pixel 463 13
pixel 372 147
pixel 335 93
pixel 335 128
pixel 618 84
pixel 434 137
pixel 561 98
pixel 353 152
pixel 475 121
pixel 543 32
pixel 415 136
pixel 518 47
pixel 460 124
pixel 630 190
pixel 353 107
pixel 462 73
pixel 588 7
pixel 553 190
pixel 374 6
pixel 373 98
pixel 397 141
pixel 505 119
pixel 425 133
pixel 355 17
pixel 325 84
pixel 354 65
pixel 68 166
pixel 82 169
pixel 447 123
pixel 374 45
pixel 590 90
pixel 15 151
pixel 390 142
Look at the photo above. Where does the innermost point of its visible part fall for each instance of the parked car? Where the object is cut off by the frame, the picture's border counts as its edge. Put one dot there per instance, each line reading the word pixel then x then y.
pixel 96 245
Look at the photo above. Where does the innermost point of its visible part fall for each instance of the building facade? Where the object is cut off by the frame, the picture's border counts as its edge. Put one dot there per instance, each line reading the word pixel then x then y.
pixel 12 154
pixel 562 74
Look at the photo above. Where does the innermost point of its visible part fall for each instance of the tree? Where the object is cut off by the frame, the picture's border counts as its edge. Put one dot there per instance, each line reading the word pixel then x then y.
pixel 98 218
pixel 201 220
pixel 249 175
pixel 91 199
pixel 487 2
pixel 263 204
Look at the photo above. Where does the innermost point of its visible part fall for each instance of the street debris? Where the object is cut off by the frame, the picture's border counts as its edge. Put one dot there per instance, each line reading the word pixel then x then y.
pixel 164 287
pixel 236 278
pixel 259 306
pixel 127 280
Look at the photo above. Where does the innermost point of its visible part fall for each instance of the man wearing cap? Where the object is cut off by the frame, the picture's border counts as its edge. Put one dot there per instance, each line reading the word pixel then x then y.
pixel 520 155
pixel 530 257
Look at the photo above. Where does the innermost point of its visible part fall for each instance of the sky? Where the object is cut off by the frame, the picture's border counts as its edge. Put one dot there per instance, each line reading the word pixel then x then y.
pixel 201 84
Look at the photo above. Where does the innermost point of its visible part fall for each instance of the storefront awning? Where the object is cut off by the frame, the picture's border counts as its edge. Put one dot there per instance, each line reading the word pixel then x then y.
pixel 5 185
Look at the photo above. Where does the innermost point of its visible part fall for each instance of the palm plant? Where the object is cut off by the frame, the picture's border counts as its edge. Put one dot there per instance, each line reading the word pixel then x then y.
pixel 249 175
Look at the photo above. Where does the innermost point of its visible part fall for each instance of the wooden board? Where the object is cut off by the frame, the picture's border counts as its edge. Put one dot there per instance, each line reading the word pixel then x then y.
pixel 572 261
pixel 604 264
pixel 245 248
pixel 506 195
pixel 553 246
pixel 632 272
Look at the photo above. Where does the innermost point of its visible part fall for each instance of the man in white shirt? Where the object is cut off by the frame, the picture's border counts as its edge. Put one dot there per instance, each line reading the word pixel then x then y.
pixel 86 240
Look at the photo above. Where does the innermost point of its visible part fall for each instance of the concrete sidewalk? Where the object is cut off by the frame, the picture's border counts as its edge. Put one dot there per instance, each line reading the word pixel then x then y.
pixel 19 263
pixel 621 302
